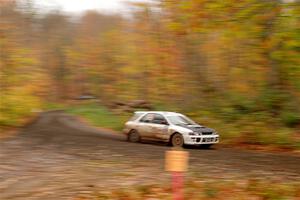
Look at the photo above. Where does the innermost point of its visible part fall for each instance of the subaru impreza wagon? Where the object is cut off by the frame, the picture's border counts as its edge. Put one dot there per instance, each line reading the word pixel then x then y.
pixel 174 128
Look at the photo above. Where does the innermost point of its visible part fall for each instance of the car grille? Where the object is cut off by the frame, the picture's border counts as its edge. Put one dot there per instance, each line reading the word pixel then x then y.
pixel 207 133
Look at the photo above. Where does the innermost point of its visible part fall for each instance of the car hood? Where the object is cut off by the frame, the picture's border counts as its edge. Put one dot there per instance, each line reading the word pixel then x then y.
pixel 196 128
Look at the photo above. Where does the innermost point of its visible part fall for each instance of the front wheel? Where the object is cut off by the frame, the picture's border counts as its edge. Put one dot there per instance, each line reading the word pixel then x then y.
pixel 133 136
pixel 177 140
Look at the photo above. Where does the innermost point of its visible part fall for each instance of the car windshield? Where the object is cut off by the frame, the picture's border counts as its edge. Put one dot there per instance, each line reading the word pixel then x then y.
pixel 180 120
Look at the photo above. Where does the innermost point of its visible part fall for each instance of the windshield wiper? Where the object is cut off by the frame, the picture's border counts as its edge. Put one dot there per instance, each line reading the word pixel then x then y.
pixel 189 124
pixel 181 124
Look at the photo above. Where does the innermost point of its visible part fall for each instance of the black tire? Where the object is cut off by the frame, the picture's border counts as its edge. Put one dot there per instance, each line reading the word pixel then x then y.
pixel 177 140
pixel 133 136
pixel 206 146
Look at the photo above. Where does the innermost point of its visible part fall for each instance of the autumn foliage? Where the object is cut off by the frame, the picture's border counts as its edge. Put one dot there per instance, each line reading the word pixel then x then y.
pixel 233 64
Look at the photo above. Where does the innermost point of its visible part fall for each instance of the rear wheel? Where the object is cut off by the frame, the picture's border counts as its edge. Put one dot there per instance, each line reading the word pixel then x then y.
pixel 177 140
pixel 133 136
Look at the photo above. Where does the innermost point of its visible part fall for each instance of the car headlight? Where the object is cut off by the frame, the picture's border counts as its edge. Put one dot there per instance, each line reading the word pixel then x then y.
pixel 192 133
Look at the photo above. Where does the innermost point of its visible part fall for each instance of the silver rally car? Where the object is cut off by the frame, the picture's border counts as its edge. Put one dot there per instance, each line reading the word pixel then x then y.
pixel 171 127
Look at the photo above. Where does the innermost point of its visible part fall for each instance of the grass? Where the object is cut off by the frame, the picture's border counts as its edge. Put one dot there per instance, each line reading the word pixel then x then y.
pixel 99 116
pixel 247 130
pixel 195 189
pixel 53 106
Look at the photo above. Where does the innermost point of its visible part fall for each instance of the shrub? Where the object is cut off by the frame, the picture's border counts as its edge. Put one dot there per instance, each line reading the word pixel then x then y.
pixel 290 118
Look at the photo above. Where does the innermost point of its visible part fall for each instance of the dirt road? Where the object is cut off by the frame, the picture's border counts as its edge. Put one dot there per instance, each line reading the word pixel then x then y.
pixel 57 157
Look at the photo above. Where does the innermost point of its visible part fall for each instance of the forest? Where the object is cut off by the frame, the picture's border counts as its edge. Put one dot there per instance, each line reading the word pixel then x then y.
pixel 233 65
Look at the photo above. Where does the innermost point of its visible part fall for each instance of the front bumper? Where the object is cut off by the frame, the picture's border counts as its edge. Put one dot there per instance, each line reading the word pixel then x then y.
pixel 201 139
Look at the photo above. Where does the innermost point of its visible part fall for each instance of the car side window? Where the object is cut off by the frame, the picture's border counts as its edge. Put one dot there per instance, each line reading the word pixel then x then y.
pixel 148 118
pixel 159 119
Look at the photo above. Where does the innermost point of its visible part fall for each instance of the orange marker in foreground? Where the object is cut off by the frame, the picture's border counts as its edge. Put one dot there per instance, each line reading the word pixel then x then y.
pixel 177 164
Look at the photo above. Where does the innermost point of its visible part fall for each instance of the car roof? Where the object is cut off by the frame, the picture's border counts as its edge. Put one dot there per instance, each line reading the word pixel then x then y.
pixel 159 112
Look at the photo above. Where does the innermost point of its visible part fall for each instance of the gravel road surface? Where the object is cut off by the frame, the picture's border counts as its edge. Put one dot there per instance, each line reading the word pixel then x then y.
pixel 58 157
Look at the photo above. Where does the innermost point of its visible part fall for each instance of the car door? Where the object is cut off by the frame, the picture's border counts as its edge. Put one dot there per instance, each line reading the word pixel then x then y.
pixel 159 128
pixel 145 125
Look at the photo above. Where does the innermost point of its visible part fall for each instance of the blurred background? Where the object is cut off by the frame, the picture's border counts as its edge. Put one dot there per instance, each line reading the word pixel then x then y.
pixel 232 65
